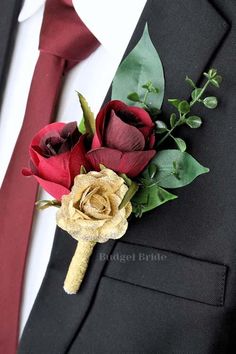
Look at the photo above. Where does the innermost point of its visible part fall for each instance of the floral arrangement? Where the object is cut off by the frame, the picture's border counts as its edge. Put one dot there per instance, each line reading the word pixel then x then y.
pixel 104 170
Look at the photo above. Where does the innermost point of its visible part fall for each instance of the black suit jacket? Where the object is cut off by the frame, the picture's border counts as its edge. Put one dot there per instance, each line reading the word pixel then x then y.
pixel 8 19
pixel 176 293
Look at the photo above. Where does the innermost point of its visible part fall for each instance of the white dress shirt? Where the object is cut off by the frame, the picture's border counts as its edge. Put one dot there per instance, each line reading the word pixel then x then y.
pixel 112 22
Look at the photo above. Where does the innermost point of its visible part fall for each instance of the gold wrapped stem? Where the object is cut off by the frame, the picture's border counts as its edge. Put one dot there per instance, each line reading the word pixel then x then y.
pixel 78 266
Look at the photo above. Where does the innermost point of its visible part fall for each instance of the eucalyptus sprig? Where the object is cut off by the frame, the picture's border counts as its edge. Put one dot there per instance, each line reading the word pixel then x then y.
pixel 184 115
pixel 143 99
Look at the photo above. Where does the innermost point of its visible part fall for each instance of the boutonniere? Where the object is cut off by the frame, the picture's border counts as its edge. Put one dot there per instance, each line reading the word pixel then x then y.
pixel 104 170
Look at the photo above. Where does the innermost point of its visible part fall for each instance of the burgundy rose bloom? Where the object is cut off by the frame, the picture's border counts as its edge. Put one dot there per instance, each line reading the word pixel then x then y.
pixel 57 153
pixel 124 139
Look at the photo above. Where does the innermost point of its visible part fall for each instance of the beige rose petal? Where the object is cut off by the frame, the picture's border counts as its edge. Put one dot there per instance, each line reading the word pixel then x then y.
pixel 91 211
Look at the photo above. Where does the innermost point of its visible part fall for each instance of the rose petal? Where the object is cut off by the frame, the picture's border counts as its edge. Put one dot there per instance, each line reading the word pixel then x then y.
pixel 54 169
pixel 105 156
pixel 122 136
pixel 71 134
pixel 101 118
pixel 133 163
pixel 56 190
pixel 48 128
pixel 142 116
pixel 78 158
pixel 145 122
pixel 130 163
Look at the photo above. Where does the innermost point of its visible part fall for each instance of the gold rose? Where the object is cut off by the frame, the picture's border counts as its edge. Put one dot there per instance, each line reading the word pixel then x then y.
pixel 92 213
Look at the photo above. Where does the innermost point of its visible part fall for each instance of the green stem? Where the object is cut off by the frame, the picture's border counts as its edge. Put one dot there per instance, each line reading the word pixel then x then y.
pixel 145 97
pixel 179 122
pixel 181 118
pixel 200 94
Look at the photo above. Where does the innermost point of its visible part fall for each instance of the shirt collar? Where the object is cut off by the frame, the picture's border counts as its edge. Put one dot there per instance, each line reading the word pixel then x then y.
pixel 29 8
pixel 114 26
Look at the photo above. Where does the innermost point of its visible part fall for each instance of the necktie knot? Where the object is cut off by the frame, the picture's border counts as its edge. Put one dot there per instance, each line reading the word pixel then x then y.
pixel 64 34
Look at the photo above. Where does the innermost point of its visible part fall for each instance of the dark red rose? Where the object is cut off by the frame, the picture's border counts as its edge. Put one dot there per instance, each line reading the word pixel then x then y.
pixel 124 139
pixel 56 154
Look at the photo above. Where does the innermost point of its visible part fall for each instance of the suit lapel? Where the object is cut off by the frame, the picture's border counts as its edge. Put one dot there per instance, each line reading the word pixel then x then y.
pixel 186 35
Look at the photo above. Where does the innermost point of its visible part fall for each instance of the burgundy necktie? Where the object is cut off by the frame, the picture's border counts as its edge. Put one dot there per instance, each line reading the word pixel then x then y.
pixel 64 41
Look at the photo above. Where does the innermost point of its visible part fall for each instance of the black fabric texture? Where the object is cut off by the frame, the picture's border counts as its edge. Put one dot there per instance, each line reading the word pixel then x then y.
pixel 187 302
pixel 8 25
pixel 168 272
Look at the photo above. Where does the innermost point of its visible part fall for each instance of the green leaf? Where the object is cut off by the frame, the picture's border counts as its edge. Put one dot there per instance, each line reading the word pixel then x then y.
pixel 149 198
pixel 134 97
pixel 176 169
pixel 173 120
pixel 190 82
pixel 149 86
pixel 194 121
pixel 212 73
pixel 183 107
pixel 174 102
pixel 44 204
pixel 83 170
pixel 129 195
pixel 142 64
pixel 89 121
pixel 181 144
pixel 127 180
pixel 161 126
pixel 152 170
pixel 210 102
pixel 216 81
pixel 195 93
pixel 81 127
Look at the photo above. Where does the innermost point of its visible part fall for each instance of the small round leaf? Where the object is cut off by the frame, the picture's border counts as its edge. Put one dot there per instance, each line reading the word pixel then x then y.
pixel 194 121
pixel 210 102
pixel 161 126
pixel 174 102
pixel 184 107
pixel 181 144
pixel 195 93
pixel 134 97
pixel 190 82
pixel 173 120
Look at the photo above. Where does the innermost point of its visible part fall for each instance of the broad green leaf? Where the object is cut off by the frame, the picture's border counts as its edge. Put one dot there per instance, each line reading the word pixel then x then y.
pixel 210 102
pixel 152 170
pixel 194 121
pixel 140 66
pixel 89 121
pixel 149 198
pixel 181 144
pixel 81 127
pixel 175 168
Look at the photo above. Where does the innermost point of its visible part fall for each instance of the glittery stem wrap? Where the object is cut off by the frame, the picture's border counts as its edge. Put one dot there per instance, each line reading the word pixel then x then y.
pixel 78 266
